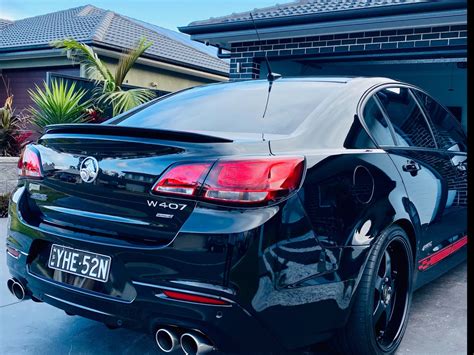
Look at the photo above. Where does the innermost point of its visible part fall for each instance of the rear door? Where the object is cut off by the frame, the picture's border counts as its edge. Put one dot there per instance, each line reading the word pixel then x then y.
pixel 452 140
pixel 426 169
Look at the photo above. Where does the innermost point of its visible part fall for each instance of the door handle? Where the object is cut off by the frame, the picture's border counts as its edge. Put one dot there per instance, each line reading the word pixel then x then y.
pixel 411 167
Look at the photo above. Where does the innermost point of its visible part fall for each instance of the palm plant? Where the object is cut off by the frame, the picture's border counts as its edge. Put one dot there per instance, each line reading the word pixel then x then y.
pixel 58 104
pixel 111 91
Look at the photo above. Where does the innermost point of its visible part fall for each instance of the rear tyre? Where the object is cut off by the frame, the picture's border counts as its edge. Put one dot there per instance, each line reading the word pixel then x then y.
pixel 380 311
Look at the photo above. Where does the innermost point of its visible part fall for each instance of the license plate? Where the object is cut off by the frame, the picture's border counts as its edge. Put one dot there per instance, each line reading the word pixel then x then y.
pixel 79 262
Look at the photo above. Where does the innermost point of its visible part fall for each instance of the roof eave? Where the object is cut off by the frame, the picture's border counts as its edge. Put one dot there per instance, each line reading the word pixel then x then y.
pixel 389 21
pixel 27 50
pixel 322 17
pixel 30 47
pixel 165 60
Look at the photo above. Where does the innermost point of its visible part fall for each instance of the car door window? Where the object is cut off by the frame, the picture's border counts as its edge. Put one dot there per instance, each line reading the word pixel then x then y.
pixel 447 131
pixel 409 123
pixel 377 124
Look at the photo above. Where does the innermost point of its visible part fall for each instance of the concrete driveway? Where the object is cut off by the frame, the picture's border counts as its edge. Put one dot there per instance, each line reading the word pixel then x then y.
pixel 437 324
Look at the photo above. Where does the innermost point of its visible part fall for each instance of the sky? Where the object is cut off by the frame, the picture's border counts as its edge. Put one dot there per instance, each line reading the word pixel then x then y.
pixel 165 13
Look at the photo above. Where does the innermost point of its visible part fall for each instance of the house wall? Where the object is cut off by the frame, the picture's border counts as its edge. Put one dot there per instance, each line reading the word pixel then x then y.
pixel 21 80
pixel 165 80
pixel 247 56
pixel 24 74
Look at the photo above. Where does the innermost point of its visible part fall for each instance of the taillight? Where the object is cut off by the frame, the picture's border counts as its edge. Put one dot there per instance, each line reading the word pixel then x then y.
pixel 29 164
pixel 184 179
pixel 241 181
pixel 13 252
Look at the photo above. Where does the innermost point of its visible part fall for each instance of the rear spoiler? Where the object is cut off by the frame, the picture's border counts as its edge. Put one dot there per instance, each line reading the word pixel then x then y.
pixel 113 130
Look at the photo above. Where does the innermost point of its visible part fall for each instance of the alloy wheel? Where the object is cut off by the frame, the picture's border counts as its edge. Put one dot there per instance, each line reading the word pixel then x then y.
pixel 391 294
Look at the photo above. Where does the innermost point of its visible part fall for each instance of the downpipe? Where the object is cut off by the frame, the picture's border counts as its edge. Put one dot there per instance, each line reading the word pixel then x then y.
pixel 17 289
pixel 195 343
pixel 167 339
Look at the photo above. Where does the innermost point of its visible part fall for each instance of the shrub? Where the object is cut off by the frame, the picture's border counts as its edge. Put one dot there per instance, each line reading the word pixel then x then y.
pixel 10 130
pixel 58 104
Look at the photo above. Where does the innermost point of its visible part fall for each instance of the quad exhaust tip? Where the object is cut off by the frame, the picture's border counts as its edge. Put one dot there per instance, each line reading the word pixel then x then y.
pixel 167 340
pixel 194 343
pixel 16 289
pixel 191 342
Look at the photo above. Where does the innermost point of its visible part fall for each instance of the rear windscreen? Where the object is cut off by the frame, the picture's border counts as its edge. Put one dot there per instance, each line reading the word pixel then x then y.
pixel 237 107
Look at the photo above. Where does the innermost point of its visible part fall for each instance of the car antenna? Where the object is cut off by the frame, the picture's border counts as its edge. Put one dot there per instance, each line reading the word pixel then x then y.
pixel 271 76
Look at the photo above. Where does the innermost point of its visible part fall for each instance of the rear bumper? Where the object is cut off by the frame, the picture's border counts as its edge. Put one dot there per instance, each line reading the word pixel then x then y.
pixel 274 304
pixel 225 326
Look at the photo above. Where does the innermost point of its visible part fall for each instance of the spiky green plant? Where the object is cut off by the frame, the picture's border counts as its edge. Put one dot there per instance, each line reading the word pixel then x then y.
pixel 110 83
pixel 58 103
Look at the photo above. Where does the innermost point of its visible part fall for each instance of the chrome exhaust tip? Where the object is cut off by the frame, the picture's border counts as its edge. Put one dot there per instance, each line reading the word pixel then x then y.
pixel 195 343
pixel 166 339
pixel 16 288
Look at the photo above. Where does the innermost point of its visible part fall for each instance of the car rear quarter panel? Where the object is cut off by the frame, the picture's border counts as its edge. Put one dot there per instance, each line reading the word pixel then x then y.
pixel 312 252
pixel 351 197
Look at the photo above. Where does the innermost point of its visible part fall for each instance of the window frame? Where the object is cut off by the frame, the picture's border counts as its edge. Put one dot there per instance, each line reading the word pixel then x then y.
pixel 430 119
pixel 372 93
pixel 382 111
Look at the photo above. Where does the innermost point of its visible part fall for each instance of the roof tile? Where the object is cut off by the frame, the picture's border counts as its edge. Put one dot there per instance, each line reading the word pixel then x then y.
pixel 92 24
pixel 302 7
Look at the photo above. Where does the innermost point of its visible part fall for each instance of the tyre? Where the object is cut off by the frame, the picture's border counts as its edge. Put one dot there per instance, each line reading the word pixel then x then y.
pixel 380 311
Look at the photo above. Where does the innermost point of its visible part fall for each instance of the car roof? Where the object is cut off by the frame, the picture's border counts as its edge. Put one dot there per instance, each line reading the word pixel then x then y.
pixel 361 81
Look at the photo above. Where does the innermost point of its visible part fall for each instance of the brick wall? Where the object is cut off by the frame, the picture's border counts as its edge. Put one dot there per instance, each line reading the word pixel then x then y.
pixel 248 55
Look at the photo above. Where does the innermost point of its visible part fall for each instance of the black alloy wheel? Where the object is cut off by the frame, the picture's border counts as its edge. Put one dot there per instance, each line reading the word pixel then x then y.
pixel 380 311
pixel 391 294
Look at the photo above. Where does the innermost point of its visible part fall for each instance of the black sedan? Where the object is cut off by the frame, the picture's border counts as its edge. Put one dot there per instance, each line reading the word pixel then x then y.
pixel 246 216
